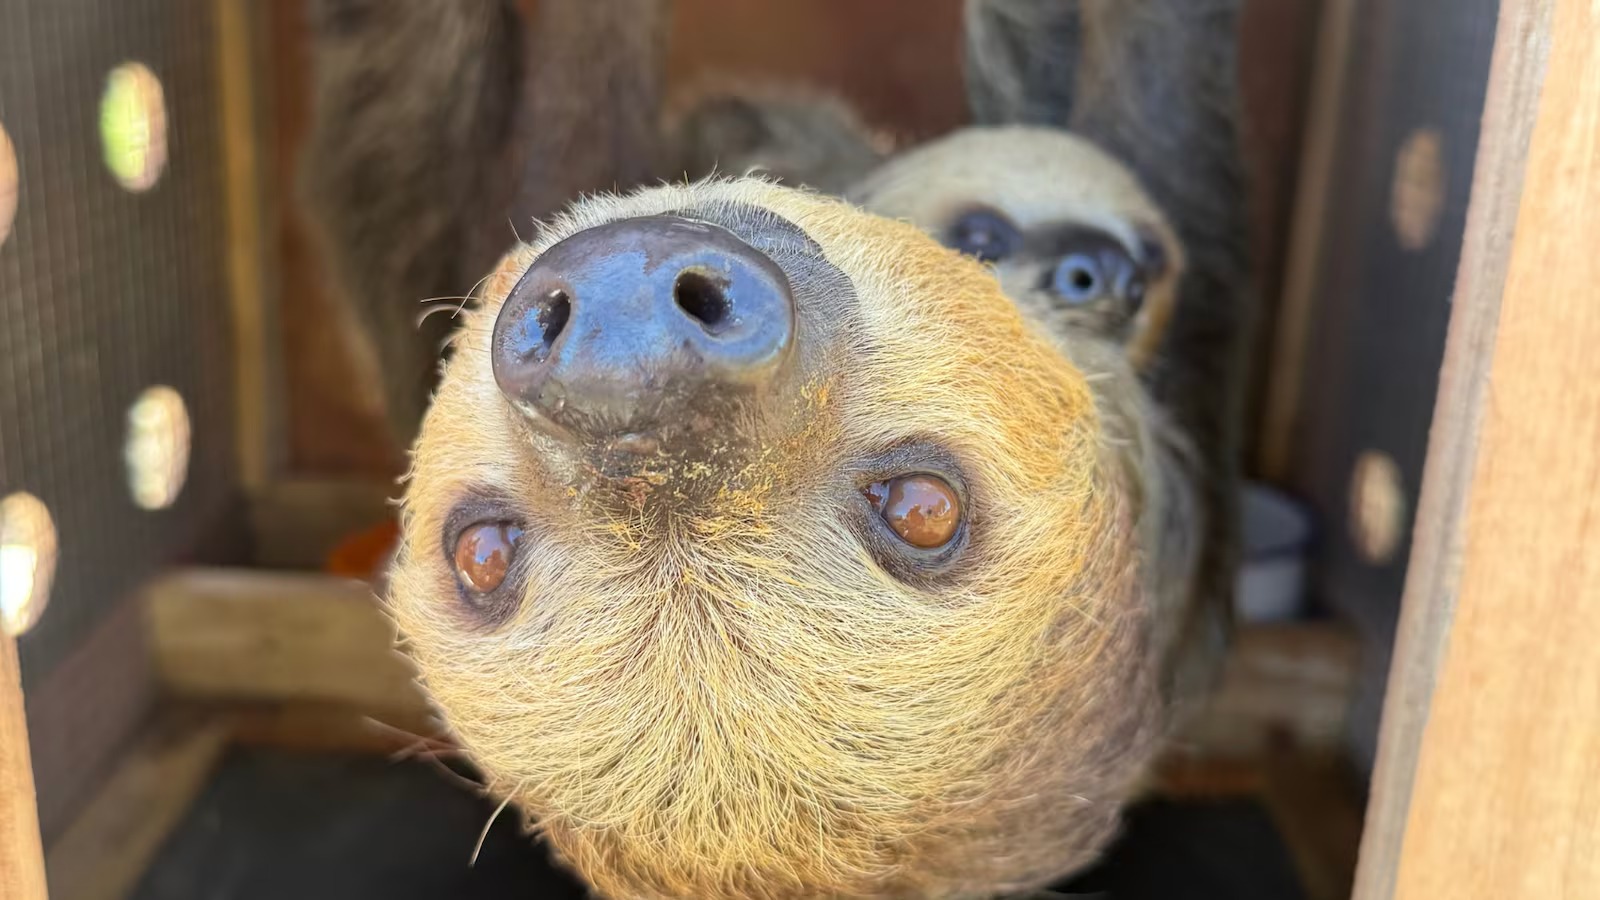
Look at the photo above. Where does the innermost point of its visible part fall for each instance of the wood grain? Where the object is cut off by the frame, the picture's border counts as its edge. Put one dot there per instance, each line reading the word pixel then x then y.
pixel 1486 790
pixel 255 635
pixel 22 873
pixel 1433 577
pixel 106 850
pixel 1509 774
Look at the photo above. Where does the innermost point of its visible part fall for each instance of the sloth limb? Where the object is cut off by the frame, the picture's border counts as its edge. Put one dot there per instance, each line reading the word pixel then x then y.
pixel 424 154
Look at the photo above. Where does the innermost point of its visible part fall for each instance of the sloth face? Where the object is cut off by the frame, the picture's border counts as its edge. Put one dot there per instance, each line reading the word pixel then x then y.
pixel 757 546
pixel 1070 233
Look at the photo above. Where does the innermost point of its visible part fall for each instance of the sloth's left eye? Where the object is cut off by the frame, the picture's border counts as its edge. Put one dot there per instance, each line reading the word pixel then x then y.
pixel 985 234
pixel 924 510
pixel 484 553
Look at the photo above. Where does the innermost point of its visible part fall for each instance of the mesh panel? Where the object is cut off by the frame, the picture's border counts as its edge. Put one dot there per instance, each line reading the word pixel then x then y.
pixel 104 292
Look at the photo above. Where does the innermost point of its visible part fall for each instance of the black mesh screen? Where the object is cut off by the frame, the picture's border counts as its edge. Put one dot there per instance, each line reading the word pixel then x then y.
pixel 104 293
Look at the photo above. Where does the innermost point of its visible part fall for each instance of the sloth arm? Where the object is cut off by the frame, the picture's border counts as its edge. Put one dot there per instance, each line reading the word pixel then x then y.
pixel 442 127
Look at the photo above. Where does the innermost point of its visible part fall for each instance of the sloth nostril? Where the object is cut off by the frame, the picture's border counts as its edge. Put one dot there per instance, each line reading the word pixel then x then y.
pixel 703 300
pixel 641 326
pixel 551 320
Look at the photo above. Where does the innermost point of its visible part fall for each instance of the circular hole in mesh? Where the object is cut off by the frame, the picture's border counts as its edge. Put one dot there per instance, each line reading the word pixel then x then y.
pixel 157 447
pixel 1377 507
pixel 10 184
pixel 133 126
pixel 27 561
pixel 1416 198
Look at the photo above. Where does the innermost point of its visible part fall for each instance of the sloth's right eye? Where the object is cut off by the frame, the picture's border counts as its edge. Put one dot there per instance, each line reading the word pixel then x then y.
pixel 984 234
pixel 484 553
pixel 923 510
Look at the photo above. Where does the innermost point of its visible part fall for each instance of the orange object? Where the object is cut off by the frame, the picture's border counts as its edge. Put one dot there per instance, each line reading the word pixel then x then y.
pixel 363 554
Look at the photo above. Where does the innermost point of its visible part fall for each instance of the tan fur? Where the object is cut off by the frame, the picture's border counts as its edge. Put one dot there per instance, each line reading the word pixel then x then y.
pixel 1043 176
pixel 742 704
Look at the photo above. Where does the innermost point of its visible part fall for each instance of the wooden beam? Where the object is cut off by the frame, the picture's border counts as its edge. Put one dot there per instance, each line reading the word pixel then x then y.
pixel 22 873
pixel 255 635
pixel 1303 266
pixel 1494 769
pixel 1295 682
pixel 1315 800
pixel 107 849
pixel 336 728
pixel 1433 578
pixel 1506 801
pixel 256 377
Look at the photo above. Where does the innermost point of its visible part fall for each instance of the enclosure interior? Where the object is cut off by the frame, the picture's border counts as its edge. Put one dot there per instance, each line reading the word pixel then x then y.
pixel 210 693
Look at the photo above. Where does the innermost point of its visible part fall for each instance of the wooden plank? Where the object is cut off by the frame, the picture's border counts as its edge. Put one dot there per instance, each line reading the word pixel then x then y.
pixel 1279 682
pixel 1303 265
pixel 22 873
pixel 85 712
pixel 107 849
pixel 1508 777
pixel 1433 576
pixel 1313 796
pixel 225 634
pixel 256 376
pixel 337 728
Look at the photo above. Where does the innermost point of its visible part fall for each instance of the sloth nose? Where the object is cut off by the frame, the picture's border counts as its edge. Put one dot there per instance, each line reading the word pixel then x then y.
pixel 641 325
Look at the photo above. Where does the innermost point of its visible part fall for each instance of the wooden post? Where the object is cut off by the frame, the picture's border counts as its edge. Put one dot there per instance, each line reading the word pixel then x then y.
pixel 1490 757
pixel 1303 262
pixel 21 854
pixel 255 371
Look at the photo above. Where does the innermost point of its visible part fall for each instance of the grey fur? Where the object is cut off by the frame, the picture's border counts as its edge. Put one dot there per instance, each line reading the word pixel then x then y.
pixel 442 125
pixel 800 138
pixel 413 103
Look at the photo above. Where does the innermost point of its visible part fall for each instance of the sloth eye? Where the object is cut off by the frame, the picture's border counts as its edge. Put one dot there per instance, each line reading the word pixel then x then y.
pixel 1100 268
pixel 924 510
pixel 484 553
pixel 984 234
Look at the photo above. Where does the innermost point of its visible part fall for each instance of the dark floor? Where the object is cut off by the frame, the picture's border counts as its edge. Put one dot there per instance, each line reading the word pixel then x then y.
pixel 275 826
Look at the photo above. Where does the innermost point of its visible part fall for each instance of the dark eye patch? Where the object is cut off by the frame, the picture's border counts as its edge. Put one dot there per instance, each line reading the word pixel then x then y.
pixel 985 234
pixel 1086 265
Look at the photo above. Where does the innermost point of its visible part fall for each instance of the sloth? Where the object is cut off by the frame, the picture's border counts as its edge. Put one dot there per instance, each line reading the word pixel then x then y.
pixel 767 541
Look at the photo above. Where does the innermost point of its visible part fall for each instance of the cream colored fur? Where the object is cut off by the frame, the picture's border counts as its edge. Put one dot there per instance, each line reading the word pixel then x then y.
pixel 1037 177
pixel 742 704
